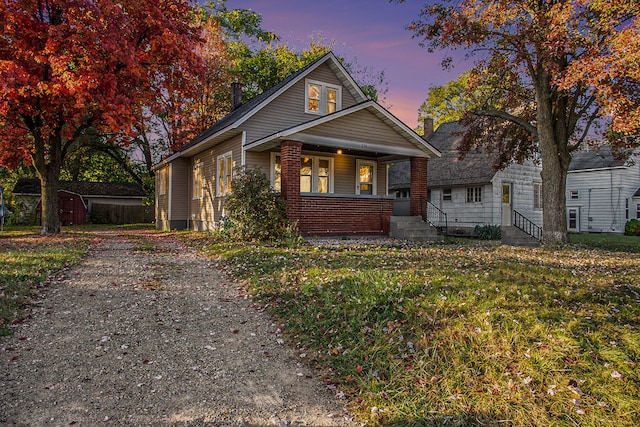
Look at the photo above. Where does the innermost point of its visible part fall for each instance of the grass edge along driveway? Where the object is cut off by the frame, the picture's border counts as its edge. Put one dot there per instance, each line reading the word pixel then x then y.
pixel 469 333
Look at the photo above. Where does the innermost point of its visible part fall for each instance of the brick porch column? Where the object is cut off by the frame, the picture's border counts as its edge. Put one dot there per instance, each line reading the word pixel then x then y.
pixel 290 153
pixel 418 187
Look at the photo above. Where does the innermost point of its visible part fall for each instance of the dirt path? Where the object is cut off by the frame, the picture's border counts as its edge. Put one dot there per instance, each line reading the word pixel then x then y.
pixel 147 332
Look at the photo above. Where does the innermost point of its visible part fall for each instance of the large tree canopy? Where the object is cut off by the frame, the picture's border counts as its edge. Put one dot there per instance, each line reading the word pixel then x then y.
pixel 67 66
pixel 555 68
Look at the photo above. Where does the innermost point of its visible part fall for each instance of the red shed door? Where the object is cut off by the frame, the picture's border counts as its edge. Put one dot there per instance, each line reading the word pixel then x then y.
pixel 66 208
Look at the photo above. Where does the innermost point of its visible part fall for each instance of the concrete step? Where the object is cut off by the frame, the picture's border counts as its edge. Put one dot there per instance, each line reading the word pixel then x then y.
pixel 513 236
pixel 413 228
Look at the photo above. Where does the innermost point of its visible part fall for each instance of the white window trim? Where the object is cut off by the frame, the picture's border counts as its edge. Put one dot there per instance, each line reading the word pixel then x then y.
pixel 198 170
pixel 225 156
pixel 576 193
pixel 162 181
pixel 537 200
pixel 449 194
pixel 362 162
pixel 314 172
pixel 476 194
pixel 322 107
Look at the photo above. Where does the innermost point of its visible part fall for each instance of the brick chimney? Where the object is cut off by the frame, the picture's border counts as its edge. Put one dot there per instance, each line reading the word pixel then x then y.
pixel 236 95
pixel 428 127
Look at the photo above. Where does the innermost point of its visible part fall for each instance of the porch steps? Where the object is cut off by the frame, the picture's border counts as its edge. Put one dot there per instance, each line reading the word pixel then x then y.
pixel 513 236
pixel 413 228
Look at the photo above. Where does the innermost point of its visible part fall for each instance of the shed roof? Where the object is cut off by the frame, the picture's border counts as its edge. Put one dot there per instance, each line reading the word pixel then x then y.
pixel 31 186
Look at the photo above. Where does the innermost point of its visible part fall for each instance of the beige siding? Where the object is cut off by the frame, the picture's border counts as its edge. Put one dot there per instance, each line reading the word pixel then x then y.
pixel 179 181
pixel 362 126
pixel 344 174
pixel 260 161
pixel 206 212
pixel 288 109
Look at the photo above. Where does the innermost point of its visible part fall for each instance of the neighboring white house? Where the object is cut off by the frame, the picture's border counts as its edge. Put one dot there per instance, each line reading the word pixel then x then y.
pixel 468 190
pixel 603 192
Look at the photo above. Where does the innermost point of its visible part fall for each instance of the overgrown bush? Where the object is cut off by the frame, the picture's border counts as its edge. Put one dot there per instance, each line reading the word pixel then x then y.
pixel 487 232
pixel 632 227
pixel 255 211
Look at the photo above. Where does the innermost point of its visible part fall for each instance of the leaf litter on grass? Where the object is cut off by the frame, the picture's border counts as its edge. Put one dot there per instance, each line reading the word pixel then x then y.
pixel 471 334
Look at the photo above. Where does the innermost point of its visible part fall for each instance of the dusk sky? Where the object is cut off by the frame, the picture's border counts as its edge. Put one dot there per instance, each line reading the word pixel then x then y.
pixel 371 31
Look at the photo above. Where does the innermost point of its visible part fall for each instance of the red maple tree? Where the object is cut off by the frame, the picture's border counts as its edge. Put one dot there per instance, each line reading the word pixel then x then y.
pixel 70 66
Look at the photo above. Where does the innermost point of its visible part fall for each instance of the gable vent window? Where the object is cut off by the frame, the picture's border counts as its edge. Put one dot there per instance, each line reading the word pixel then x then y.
pixel 322 98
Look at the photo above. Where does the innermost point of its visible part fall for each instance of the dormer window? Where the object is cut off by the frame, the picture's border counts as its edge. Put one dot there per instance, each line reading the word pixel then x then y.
pixel 322 98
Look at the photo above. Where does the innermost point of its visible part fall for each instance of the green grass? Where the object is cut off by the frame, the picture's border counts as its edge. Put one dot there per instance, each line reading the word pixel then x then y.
pixel 611 242
pixel 469 333
pixel 26 260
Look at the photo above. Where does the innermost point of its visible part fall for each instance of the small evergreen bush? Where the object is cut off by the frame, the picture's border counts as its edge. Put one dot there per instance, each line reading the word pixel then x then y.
pixel 632 227
pixel 255 211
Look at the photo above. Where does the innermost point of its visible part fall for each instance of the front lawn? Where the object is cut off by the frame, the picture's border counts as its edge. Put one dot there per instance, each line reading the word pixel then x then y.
pixel 26 260
pixel 469 333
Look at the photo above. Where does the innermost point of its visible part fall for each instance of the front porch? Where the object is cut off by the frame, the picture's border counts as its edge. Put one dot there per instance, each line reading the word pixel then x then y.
pixel 365 211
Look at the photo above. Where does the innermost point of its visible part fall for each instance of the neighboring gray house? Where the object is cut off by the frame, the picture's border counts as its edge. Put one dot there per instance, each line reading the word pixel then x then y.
pixel 469 191
pixel 603 192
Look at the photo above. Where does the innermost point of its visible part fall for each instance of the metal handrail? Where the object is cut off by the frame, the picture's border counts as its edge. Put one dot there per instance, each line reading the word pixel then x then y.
pixel 434 216
pixel 523 223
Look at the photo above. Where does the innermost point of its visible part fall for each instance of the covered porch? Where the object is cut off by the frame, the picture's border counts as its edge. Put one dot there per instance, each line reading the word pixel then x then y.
pixel 333 171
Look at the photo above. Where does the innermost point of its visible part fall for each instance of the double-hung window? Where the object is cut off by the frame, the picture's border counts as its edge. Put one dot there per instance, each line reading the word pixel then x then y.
pixel 537 195
pixel 322 98
pixel 474 194
pixel 225 168
pixel 198 180
pixel 162 180
pixel 316 174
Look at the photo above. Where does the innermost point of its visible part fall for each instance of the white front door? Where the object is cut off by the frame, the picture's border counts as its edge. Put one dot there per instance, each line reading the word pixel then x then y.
pixel 506 204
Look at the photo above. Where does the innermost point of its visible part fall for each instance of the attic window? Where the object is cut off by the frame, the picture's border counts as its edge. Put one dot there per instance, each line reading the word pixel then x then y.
pixel 322 98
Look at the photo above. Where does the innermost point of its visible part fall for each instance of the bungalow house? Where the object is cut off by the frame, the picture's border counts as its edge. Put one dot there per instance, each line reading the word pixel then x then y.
pixel 603 192
pixel 76 199
pixel 322 142
pixel 468 190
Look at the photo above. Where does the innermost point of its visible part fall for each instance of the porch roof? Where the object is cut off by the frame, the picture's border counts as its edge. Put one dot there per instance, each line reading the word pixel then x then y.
pixel 413 145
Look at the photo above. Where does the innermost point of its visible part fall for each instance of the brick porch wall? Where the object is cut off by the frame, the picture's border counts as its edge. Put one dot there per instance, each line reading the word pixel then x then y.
pixel 343 215
pixel 418 187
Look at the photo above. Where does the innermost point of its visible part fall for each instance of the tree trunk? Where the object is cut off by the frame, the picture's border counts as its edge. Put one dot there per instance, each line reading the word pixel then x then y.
pixel 553 144
pixel 49 190
pixel 47 160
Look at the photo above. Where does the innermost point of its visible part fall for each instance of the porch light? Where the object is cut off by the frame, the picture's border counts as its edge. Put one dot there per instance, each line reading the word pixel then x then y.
pixel 339 151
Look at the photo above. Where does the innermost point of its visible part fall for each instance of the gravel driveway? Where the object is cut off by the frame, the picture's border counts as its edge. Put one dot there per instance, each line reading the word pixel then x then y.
pixel 145 331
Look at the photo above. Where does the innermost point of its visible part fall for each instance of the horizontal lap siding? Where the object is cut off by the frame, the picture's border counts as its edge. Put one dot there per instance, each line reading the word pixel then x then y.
pixel 288 109
pixel 463 214
pixel 602 198
pixel 180 189
pixel 206 212
pixel 521 177
pixel 344 216
pixel 362 126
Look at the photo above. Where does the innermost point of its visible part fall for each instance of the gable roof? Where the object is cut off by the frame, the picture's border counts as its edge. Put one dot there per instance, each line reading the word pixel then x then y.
pixel 475 168
pixel 298 132
pixel 31 187
pixel 599 158
pixel 227 125
pixel 448 170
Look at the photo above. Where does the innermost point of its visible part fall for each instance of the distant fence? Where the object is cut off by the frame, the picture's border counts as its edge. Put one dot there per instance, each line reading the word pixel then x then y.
pixel 120 214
